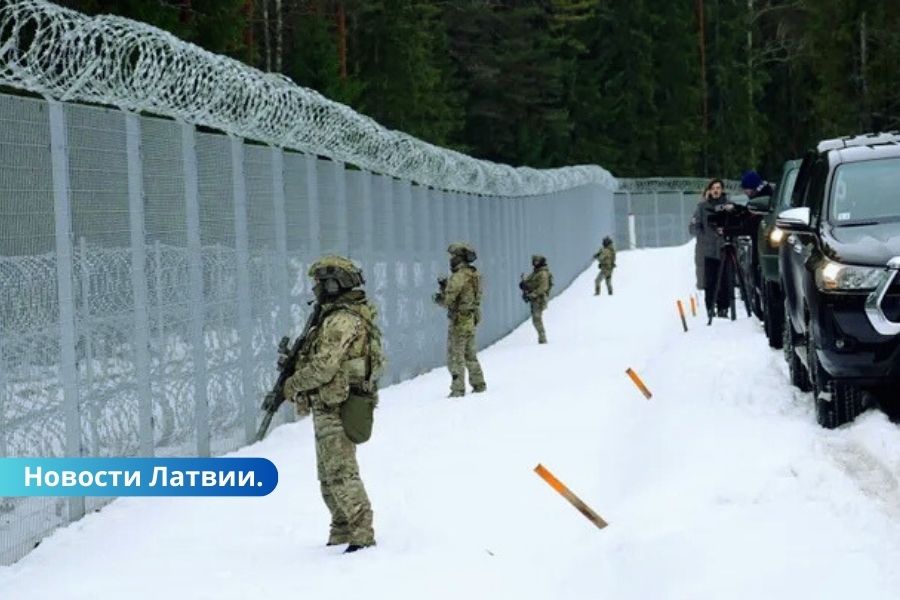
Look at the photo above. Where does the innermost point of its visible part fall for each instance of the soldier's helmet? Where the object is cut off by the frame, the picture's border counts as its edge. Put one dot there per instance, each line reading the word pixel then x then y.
pixel 607 241
pixel 341 269
pixel 463 251
pixel 537 259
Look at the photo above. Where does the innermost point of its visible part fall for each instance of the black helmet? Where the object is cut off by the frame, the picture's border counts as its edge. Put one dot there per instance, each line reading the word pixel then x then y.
pixel 607 241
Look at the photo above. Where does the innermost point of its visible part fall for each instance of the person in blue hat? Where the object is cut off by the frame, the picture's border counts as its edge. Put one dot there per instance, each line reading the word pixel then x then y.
pixel 754 185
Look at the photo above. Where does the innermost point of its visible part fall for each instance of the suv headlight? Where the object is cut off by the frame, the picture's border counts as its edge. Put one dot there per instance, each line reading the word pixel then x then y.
pixel 775 237
pixel 833 276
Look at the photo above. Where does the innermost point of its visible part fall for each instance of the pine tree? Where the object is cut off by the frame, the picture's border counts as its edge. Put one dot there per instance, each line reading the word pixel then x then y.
pixel 399 56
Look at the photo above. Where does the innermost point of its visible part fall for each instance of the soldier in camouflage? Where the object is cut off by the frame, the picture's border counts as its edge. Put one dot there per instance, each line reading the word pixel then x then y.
pixel 606 258
pixel 536 291
pixel 341 359
pixel 461 296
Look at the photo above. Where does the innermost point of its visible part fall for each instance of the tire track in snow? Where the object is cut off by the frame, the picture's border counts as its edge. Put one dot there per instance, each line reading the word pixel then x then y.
pixel 874 478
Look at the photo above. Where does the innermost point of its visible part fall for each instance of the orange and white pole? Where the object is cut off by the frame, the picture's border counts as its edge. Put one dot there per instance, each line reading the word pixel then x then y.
pixel 566 493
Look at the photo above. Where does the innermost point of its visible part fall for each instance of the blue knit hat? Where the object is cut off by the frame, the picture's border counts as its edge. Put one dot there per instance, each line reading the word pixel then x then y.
pixel 751 180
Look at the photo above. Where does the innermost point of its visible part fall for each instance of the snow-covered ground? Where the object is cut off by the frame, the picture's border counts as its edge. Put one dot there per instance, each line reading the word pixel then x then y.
pixel 720 487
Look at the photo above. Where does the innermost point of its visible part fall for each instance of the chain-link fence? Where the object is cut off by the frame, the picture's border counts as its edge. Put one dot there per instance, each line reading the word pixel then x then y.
pixel 654 212
pixel 148 269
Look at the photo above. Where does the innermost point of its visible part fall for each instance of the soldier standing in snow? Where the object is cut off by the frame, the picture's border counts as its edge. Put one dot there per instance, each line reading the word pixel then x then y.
pixel 536 291
pixel 606 260
pixel 461 296
pixel 337 376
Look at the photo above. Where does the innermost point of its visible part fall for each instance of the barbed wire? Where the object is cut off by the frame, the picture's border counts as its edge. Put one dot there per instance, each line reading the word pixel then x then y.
pixel 68 56
pixel 672 184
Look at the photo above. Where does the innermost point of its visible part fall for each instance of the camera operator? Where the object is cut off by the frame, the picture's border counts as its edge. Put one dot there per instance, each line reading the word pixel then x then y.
pixel 709 234
pixel 754 185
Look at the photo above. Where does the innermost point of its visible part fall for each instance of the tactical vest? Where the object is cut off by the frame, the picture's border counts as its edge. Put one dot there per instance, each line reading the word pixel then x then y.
pixel 358 411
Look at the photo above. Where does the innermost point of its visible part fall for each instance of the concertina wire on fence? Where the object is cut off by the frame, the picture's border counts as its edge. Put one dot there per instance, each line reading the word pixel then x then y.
pixel 65 55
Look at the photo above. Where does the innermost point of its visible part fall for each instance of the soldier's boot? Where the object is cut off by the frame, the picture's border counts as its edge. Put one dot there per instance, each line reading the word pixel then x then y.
pixel 542 339
pixel 457 387
pixel 356 547
pixel 336 538
pixel 479 388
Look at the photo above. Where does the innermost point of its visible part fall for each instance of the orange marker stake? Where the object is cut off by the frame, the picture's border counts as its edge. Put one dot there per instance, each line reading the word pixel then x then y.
pixel 640 384
pixel 681 314
pixel 693 306
pixel 574 500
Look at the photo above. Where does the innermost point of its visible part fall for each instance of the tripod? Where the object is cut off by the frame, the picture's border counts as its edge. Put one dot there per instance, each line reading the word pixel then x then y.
pixel 728 265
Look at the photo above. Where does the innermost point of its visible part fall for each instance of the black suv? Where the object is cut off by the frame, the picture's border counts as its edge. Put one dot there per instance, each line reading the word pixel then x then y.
pixel 767 276
pixel 839 264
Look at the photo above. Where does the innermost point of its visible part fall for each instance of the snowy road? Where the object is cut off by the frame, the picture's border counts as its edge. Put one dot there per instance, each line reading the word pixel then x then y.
pixel 720 487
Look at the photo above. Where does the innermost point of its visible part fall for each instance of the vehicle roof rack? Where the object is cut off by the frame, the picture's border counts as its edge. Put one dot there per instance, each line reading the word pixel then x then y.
pixel 864 139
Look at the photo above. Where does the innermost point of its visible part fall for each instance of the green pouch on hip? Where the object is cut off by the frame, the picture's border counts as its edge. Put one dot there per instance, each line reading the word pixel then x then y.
pixel 357 417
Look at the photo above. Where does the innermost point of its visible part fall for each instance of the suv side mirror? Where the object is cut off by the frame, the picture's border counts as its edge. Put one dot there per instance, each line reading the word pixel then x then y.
pixel 761 205
pixel 795 220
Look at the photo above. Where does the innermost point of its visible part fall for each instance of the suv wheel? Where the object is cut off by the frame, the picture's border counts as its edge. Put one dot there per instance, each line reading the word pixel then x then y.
pixel 756 298
pixel 837 402
pixel 798 373
pixel 773 314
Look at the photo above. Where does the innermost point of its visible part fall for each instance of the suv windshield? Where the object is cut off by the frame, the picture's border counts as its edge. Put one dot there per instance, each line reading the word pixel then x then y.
pixel 784 194
pixel 866 191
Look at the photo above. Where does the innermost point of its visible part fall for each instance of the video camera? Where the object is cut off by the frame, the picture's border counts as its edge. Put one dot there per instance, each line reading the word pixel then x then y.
pixel 734 222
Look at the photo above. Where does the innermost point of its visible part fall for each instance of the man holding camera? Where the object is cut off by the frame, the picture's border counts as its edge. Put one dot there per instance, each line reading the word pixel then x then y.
pixel 704 225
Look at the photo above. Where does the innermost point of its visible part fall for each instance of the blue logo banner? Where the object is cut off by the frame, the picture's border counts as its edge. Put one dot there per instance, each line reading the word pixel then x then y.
pixel 137 477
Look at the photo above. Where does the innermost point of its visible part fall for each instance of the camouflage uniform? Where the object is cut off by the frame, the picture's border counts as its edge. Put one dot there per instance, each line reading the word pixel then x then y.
pixel 536 291
pixel 333 365
pixel 461 296
pixel 606 258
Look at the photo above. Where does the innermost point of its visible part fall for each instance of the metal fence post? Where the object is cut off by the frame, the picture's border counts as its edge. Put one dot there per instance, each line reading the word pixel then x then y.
pixel 435 244
pixel 313 229
pixel 392 306
pixel 59 156
pixel 656 216
pixel 367 216
pixel 340 201
pixel 88 344
pixel 197 309
pixel 141 313
pixel 245 318
pixel 280 223
pixel 506 234
pixel 632 229
pixel 157 271
pixel 404 235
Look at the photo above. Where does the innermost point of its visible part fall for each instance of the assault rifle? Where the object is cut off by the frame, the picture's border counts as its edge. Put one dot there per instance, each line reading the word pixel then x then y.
pixel 524 288
pixel 442 287
pixel 287 364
